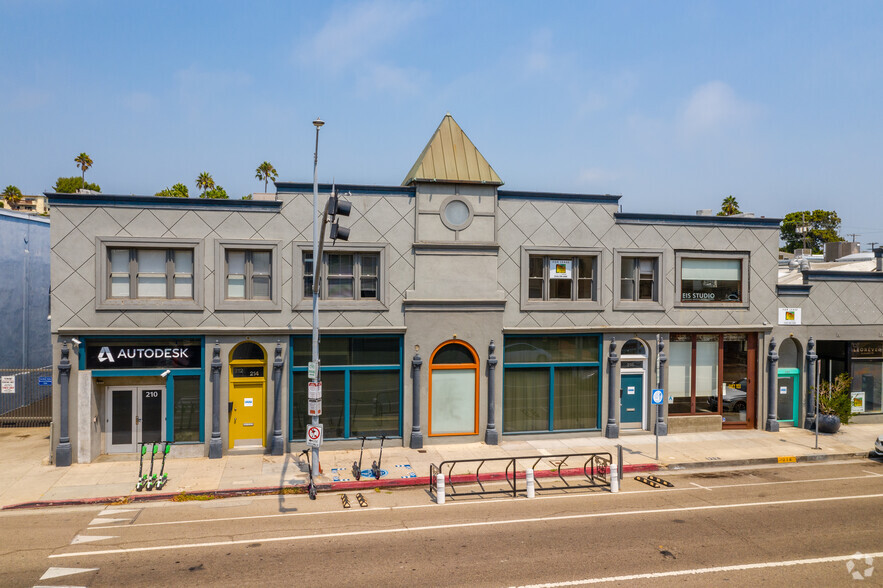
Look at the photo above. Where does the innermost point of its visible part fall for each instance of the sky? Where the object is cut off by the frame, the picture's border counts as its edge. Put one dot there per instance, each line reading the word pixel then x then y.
pixel 673 105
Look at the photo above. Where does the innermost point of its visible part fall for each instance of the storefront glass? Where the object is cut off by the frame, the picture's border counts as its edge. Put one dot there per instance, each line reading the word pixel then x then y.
pixel 551 383
pixel 187 414
pixel 866 369
pixel 361 386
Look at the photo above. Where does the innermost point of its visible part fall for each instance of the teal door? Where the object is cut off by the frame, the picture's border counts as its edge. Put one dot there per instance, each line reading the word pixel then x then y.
pixel 787 396
pixel 631 398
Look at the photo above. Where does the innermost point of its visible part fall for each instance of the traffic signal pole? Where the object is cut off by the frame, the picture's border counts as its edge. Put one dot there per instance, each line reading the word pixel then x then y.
pixel 316 264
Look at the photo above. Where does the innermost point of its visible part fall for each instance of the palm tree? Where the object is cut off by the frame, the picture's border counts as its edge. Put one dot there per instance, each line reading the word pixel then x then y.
pixel 205 182
pixel 12 195
pixel 729 207
pixel 265 172
pixel 84 162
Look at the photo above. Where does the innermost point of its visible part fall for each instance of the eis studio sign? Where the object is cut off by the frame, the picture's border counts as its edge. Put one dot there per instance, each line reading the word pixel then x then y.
pixel 142 356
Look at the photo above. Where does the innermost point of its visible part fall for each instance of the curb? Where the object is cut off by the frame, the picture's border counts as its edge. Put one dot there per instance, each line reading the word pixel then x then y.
pixel 425 481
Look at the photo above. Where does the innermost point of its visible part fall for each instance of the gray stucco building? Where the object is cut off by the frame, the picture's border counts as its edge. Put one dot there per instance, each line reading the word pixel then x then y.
pixel 457 311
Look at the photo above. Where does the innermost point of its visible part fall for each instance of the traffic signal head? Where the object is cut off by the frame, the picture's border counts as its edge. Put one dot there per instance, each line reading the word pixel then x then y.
pixel 336 206
pixel 338 232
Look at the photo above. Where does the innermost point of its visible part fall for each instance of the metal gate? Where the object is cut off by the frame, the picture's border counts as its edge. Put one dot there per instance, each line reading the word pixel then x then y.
pixel 26 397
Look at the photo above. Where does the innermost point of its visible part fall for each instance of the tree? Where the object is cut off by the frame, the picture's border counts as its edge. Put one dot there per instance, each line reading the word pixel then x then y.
pixel 84 162
pixel 729 206
pixel 176 191
pixel 12 195
pixel 216 192
pixel 265 172
pixel 817 226
pixel 72 184
pixel 204 182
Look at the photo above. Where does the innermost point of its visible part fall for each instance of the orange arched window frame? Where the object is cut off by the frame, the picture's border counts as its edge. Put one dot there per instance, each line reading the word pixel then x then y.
pixel 454 366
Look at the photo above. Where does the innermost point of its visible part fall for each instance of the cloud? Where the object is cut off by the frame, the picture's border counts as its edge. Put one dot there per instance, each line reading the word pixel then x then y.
pixel 615 90
pixel 28 99
pixel 198 87
pixel 139 102
pixel 388 79
pixel 713 107
pixel 539 57
pixel 355 34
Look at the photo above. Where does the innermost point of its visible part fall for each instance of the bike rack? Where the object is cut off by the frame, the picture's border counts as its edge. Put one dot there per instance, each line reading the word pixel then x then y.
pixel 592 472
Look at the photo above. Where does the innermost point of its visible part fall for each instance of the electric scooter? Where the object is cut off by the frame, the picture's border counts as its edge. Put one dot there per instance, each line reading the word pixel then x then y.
pixel 151 477
pixel 163 475
pixel 311 487
pixel 375 467
pixel 142 479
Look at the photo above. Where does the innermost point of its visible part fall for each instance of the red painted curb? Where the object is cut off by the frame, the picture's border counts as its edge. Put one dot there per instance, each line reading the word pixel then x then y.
pixel 322 487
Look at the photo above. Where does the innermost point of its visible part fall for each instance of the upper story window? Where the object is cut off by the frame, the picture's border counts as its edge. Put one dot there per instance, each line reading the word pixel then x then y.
pixel 136 273
pixel 561 278
pixel 638 279
pixel 345 275
pixel 248 274
pixel 712 278
pixel 556 278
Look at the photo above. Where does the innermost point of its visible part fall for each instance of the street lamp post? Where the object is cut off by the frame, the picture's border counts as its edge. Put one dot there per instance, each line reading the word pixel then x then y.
pixel 316 263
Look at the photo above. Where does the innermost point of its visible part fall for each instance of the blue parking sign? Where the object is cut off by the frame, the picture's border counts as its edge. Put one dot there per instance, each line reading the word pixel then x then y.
pixel 44 381
pixel 657 396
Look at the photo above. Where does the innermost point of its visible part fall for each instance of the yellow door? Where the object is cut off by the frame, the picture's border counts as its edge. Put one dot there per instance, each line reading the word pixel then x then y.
pixel 247 411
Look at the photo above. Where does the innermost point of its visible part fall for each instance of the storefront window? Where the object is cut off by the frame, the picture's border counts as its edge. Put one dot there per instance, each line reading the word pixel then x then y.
pixel 361 386
pixel 187 413
pixel 708 374
pixel 866 369
pixel 551 383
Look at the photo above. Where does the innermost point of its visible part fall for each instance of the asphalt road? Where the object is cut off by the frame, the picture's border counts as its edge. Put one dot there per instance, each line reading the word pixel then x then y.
pixel 777 526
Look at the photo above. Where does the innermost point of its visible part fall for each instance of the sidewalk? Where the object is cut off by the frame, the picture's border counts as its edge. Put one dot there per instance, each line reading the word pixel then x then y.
pixel 28 481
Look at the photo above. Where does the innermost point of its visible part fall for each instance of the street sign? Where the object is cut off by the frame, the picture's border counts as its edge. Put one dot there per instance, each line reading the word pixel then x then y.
pixel 44 381
pixel 314 407
pixel 314 391
pixel 314 435
pixel 312 369
pixel 658 395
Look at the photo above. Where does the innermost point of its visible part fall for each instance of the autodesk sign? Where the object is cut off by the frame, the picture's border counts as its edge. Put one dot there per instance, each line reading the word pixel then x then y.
pixel 143 356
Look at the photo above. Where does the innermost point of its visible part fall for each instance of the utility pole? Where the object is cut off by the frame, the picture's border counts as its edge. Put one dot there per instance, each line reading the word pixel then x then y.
pixel 316 263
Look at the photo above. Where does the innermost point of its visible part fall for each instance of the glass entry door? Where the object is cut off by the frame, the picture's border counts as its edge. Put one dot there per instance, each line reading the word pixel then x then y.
pixel 786 396
pixel 134 415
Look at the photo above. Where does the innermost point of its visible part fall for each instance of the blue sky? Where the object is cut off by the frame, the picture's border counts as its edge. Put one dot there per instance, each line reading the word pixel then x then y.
pixel 674 105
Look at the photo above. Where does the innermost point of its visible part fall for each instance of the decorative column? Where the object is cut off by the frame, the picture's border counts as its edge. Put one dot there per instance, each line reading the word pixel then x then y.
pixel 63 450
pixel 215 448
pixel 491 435
pixel 612 431
pixel 811 359
pixel 277 444
pixel 416 435
pixel 661 425
pixel 772 421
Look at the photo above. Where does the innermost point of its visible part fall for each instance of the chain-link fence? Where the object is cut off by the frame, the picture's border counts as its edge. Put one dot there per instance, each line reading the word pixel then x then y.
pixel 25 397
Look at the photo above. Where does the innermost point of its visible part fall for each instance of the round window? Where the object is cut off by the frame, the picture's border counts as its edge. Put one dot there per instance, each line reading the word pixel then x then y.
pixel 456 214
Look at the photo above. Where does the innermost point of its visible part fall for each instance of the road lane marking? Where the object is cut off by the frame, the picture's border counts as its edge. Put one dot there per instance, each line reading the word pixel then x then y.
pixel 90 538
pixel 873 473
pixel 61 572
pixel 460 525
pixel 116 511
pixel 103 521
pixel 465 503
pixel 697 571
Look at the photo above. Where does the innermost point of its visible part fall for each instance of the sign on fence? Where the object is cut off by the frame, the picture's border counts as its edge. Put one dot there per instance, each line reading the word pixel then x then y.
pixel 7 384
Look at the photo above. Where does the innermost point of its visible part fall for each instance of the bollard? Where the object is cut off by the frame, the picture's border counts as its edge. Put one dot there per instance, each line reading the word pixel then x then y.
pixel 440 489
pixel 529 484
pixel 614 478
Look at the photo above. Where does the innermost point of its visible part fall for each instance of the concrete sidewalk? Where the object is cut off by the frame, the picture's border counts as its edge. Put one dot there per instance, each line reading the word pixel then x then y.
pixel 28 480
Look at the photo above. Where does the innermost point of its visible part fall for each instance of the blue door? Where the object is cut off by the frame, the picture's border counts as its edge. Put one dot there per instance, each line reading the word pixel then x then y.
pixel 631 398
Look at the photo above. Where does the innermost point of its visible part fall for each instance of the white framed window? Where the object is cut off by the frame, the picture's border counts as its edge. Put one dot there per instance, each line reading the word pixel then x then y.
pixel 247 275
pixel 560 279
pixel 638 278
pixel 353 275
pixel 138 275
pixel 712 278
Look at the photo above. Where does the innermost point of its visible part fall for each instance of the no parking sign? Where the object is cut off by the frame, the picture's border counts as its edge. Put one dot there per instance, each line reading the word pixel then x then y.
pixel 314 435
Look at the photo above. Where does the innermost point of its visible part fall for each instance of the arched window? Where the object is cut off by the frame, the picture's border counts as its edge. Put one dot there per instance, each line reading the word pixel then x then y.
pixel 247 350
pixel 453 390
